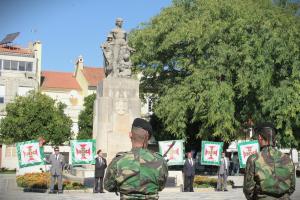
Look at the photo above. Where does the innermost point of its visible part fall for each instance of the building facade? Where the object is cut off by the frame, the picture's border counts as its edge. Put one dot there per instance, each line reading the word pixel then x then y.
pixel 88 77
pixel 19 73
pixel 63 87
pixel 71 88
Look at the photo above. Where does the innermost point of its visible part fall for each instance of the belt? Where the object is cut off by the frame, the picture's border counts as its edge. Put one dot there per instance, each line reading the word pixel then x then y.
pixel 138 196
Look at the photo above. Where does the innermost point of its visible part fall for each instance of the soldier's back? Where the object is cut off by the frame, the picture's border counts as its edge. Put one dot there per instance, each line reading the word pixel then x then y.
pixel 140 174
pixel 273 174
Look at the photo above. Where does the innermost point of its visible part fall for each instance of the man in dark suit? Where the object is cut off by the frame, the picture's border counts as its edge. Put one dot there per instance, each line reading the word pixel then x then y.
pixel 57 162
pixel 189 173
pixel 100 165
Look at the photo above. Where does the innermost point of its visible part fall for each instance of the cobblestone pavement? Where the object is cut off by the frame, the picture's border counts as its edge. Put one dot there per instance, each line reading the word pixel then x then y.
pixel 9 191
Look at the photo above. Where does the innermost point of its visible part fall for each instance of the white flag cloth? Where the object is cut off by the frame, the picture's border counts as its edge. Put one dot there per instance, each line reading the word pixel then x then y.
pixel 211 153
pixel 29 153
pixel 175 155
pixel 83 151
pixel 245 149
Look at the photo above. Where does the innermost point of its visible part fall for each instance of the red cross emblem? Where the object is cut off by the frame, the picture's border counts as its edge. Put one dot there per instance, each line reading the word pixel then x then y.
pixel 83 151
pixel 248 151
pixel 30 153
pixel 210 152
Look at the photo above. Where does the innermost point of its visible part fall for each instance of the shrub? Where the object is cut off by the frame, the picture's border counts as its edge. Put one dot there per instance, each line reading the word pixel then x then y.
pixel 34 180
pixel 205 182
pixel 42 181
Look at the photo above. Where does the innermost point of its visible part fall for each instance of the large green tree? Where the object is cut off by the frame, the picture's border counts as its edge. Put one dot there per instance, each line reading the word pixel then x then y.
pixel 216 65
pixel 33 116
pixel 85 119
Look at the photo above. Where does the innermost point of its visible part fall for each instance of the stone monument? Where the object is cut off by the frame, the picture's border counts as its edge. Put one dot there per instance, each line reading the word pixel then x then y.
pixel 117 103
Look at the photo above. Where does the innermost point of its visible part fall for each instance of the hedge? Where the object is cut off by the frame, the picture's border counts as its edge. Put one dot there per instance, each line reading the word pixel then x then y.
pixel 42 181
pixel 204 182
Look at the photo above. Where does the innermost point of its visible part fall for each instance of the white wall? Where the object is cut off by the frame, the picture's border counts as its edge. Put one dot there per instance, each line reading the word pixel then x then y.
pixel 9 156
pixel 74 102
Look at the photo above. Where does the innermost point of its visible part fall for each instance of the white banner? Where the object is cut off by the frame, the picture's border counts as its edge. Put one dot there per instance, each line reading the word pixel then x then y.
pixel 83 151
pixel 30 153
pixel 245 149
pixel 175 154
pixel 211 153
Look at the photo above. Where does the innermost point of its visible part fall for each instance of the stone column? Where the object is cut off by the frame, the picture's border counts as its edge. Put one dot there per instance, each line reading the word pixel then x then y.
pixel 116 106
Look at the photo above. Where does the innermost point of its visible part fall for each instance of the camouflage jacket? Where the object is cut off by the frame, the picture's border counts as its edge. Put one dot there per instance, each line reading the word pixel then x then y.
pixel 269 174
pixel 138 174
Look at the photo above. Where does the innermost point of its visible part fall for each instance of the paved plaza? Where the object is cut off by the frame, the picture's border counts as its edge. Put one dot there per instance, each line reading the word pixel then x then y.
pixel 9 191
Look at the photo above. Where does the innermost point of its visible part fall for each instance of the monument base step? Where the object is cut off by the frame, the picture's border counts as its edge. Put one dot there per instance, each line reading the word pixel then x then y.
pixel 86 181
pixel 83 172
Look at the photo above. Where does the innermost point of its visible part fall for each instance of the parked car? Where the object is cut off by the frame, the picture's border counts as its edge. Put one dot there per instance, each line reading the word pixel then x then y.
pixel 298 171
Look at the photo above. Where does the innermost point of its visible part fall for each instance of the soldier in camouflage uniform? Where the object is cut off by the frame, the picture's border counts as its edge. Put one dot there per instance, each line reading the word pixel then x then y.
pixel 139 173
pixel 269 174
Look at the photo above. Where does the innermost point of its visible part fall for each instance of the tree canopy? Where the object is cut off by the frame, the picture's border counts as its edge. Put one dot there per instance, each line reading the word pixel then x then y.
pixel 33 116
pixel 85 119
pixel 216 65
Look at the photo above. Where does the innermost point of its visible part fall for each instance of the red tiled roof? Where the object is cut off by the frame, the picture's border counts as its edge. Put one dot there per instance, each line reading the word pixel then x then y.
pixel 93 75
pixel 15 49
pixel 59 80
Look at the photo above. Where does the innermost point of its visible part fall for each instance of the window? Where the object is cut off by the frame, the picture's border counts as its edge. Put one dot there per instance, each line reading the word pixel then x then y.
pixel 22 66
pixel 6 64
pixel 14 65
pixel 10 151
pixel 92 88
pixel 2 93
pixel 29 67
pixel 23 91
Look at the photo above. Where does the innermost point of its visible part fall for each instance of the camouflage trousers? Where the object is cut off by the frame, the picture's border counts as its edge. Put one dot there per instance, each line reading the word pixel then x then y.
pixel 267 197
pixel 138 196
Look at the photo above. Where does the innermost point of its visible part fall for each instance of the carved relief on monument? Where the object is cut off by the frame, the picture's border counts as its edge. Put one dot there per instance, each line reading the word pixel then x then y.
pixel 121 106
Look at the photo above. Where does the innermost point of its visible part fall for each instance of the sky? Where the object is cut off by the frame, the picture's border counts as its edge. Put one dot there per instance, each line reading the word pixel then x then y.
pixel 70 28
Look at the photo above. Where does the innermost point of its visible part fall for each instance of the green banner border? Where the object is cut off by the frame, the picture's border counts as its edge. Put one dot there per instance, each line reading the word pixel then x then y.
pixel 170 163
pixel 239 150
pixel 72 142
pixel 203 162
pixel 41 149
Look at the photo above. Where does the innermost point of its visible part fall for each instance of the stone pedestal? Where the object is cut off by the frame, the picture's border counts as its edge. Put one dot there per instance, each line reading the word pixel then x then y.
pixel 116 106
pixel 83 172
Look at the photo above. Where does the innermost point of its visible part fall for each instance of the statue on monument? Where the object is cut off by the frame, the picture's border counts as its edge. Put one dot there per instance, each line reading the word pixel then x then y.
pixel 116 52
pixel 107 54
